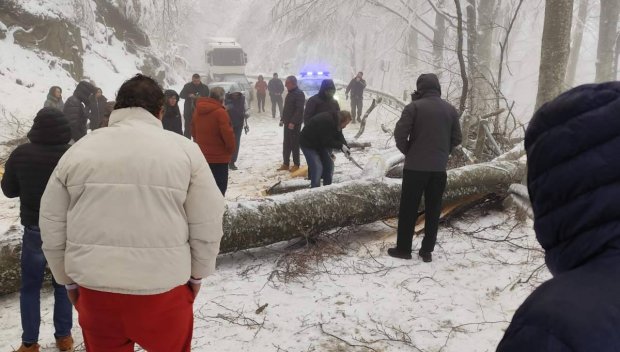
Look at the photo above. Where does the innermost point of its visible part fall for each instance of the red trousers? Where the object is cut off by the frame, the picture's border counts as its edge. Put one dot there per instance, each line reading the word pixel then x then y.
pixel 113 322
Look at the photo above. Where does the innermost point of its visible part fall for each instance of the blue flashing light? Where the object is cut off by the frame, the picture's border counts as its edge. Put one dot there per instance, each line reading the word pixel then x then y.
pixel 309 73
pixel 314 74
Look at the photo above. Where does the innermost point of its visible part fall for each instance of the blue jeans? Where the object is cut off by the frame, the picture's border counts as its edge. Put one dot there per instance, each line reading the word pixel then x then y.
pixel 33 270
pixel 320 165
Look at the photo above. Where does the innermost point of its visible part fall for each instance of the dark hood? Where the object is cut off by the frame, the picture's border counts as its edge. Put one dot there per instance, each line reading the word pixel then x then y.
pixel 326 85
pixel 50 127
pixel 573 145
pixel 428 83
pixel 171 93
pixel 84 90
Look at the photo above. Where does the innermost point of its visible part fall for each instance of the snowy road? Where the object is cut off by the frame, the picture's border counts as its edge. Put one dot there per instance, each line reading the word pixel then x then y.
pixel 343 293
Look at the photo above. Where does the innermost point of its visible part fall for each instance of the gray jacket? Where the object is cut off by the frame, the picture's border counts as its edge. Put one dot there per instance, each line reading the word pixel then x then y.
pixel 428 129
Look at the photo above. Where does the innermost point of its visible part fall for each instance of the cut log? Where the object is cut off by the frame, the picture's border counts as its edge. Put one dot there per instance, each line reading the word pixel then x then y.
pixel 374 104
pixel 361 145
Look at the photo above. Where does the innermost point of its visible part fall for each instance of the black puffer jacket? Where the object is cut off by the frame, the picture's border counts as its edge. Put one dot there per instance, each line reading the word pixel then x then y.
pixel 573 178
pixel 323 131
pixel 76 112
pixel 428 128
pixel 321 102
pixel 97 109
pixel 30 165
pixel 172 114
pixel 293 111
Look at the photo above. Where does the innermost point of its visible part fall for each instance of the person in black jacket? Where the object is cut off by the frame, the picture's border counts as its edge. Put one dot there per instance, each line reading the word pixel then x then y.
pixel 96 107
pixel 75 109
pixel 172 120
pixel 573 179
pixel 235 104
pixel 323 101
pixel 318 137
pixel 190 92
pixel 426 133
pixel 292 118
pixel 356 89
pixel 275 88
pixel 26 174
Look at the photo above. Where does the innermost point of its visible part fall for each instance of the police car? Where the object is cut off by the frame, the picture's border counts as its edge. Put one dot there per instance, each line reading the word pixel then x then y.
pixel 310 82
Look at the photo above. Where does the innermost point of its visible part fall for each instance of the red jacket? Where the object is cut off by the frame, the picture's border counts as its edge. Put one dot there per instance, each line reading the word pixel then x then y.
pixel 212 131
pixel 261 87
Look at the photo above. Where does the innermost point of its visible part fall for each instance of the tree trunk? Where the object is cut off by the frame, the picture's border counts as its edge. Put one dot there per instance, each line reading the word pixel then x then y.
pixel 486 27
pixel 439 36
pixel 575 49
pixel 472 35
pixel 555 49
pixel 607 33
pixel 459 53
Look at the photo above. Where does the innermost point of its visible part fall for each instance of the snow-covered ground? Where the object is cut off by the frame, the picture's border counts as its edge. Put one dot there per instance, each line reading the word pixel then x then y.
pixel 342 292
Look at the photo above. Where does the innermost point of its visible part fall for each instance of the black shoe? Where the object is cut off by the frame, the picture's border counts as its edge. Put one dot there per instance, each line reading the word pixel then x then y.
pixel 397 253
pixel 359 119
pixel 427 257
pixel 232 166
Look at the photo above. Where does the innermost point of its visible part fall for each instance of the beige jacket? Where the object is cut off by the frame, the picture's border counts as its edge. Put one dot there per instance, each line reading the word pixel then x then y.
pixel 131 208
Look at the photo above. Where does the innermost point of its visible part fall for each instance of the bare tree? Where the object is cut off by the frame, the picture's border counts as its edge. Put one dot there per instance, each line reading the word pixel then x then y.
pixel 439 38
pixel 607 33
pixel 459 52
pixel 554 50
pixel 575 49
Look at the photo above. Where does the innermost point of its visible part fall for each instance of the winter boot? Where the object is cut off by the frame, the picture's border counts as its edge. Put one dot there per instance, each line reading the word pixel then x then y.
pixel 65 343
pixel 427 257
pixel 232 166
pixel 397 253
pixel 294 168
pixel 32 348
pixel 283 167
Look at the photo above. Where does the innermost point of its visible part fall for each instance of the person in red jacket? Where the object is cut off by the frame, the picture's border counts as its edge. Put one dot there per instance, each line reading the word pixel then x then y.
pixel 212 130
pixel 261 92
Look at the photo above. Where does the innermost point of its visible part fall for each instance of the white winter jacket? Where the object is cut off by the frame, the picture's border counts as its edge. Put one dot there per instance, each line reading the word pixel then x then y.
pixel 131 208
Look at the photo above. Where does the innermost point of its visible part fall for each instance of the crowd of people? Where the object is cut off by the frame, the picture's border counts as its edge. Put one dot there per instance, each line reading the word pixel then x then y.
pixel 129 218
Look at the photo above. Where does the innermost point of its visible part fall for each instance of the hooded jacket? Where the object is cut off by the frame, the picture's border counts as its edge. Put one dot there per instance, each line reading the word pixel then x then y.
pixel 428 128
pixel 321 102
pixel 572 148
pixel 97 110
pixel 236 110
pixel 52 101
pixel 76 112
pixel 293 110
pixel 30 165
pixel 323 131
pixel 212 130
pixel 138 219
pixel 172 120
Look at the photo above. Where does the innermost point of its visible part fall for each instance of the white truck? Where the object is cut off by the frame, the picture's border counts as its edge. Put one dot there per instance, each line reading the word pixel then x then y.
pixel 225 62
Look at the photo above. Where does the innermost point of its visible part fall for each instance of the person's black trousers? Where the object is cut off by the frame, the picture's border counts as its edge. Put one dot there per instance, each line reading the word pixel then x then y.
pixel 276 100
pixel 415 184
pixel 357 104
pixel 290 145
pixel 220 174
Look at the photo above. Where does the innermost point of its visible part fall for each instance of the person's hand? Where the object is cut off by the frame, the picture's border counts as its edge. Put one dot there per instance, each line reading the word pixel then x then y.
pixel 195 288
pixel 281 123
pixel 346 97
pixel 72 293
pixel 291 126
pixel 333 156
pixel 192 96
pixel 346 150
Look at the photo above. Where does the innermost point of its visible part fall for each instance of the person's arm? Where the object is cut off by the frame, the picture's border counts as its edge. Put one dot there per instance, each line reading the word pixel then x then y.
pixel 363 82
pixel 226 131
pixel 280 87
pixel 10 184
pixel 184 92
pixel 456 137
pixel 349 87
pixel 531 339
pixel 403 129
pixel 300 101
pixel 204 207
pixel 309 109
pixel 53 223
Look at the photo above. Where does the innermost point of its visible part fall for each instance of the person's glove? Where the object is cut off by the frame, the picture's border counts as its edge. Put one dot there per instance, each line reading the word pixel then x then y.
pixel 346 151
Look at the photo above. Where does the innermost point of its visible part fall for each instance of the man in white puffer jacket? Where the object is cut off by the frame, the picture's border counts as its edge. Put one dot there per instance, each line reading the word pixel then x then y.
pixel 131 221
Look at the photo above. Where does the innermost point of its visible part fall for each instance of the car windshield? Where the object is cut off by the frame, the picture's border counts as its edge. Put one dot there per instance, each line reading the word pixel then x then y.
pixel 241 79
pixel 227 57
pixel 224 85
pixel 310 84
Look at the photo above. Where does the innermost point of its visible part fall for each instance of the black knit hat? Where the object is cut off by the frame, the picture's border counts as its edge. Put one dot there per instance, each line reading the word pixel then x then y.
pixel 50 127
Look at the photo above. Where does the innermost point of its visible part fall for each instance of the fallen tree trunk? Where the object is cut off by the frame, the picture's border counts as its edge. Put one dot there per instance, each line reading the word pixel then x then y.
pixel 284 217
pixel 257 223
